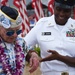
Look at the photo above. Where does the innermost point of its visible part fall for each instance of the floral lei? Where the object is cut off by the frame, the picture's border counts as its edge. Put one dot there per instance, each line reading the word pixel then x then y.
pixel 19 60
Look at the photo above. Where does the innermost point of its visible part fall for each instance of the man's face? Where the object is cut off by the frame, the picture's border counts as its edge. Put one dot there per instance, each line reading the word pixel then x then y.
pixel 61 15
pixel 9 35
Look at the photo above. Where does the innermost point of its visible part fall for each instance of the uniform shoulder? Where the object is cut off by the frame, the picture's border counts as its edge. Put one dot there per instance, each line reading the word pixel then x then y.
pixel 44 19
pixel 42 22
pixel 72 20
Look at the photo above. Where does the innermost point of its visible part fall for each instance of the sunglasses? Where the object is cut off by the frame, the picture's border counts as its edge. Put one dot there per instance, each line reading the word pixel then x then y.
pixel 11 32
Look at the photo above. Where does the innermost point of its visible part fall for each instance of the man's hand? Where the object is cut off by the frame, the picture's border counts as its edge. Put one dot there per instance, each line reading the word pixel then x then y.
pixel 34 62
pixel 53 56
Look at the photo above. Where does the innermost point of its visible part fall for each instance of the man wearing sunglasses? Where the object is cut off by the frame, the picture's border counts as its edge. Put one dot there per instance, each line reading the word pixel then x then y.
pixel 12 57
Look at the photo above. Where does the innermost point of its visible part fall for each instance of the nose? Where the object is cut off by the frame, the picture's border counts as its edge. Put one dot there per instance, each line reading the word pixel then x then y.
pixel 62 12
pixel 15 34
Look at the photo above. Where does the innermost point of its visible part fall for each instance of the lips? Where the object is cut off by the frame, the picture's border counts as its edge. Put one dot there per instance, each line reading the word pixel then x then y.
pixel 61 18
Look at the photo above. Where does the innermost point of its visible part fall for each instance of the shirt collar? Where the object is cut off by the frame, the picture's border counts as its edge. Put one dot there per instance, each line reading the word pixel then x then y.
pixel 51 21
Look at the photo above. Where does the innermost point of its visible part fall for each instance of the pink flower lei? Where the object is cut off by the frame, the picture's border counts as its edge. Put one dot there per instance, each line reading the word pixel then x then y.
pixel 19 60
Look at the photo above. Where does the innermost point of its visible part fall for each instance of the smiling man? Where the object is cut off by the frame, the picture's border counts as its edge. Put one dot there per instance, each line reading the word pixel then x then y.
pixel 56 38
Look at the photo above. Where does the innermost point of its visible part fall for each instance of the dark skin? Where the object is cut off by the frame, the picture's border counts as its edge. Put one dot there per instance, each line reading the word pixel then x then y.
pixel 61 17
pixel 70 61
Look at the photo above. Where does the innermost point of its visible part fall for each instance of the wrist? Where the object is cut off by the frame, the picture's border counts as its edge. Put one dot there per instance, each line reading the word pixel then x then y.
pixel 30 54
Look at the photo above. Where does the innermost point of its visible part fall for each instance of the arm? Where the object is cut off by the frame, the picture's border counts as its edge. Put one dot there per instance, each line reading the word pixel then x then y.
pixel 33 59
pixel 70 61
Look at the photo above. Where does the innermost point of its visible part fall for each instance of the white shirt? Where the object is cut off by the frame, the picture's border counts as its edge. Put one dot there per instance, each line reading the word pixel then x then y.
pixel 49 37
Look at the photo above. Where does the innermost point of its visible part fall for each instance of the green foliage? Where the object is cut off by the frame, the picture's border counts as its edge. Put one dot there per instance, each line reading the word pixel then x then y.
pixel 37 49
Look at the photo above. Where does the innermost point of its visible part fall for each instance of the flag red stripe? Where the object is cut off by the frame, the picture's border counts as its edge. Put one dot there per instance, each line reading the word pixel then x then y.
pixel 4 2
pixel 50 6
pixel 37 5
pixel 22 8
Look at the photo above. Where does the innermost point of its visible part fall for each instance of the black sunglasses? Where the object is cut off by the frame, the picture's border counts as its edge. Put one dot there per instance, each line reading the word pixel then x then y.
pixel 11 32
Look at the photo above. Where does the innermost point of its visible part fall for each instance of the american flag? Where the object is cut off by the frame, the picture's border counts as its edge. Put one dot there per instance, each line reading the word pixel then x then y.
pixel 21 5
pixel 4 2
pixel 37 5
pixel 50 6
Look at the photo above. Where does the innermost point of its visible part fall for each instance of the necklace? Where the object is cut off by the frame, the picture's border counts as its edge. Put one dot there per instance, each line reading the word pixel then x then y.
pixel 19 59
